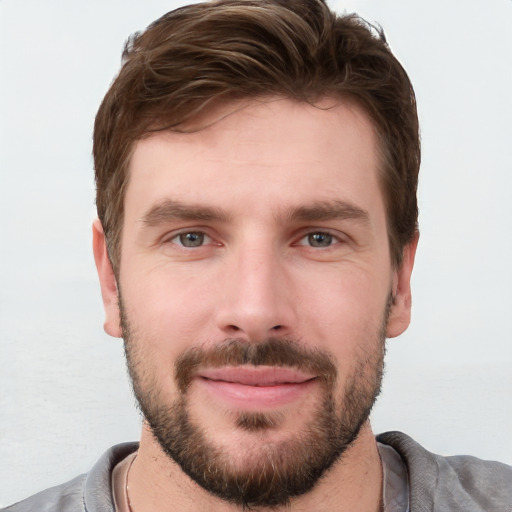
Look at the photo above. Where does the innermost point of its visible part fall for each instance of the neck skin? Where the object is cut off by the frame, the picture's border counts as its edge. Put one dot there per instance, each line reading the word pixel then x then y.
pixel 355 483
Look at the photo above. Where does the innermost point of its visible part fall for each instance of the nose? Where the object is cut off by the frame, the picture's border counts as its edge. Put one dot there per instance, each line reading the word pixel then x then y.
pixel 256 298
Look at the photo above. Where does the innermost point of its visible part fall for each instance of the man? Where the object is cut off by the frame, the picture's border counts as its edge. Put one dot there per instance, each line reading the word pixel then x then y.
pixel 256 168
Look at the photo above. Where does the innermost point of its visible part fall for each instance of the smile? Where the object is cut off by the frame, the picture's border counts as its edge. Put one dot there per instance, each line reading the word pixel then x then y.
pixel 255 388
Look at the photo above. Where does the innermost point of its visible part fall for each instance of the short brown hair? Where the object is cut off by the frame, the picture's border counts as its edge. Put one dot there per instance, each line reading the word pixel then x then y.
pixel 232 49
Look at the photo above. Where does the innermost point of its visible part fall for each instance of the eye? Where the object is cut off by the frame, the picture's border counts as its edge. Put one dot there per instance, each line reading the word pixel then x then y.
pixel 191 239
pixel 319 239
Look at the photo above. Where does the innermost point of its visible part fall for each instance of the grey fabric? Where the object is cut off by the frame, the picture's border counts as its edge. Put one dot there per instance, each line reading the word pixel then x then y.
pixel 395 480
pixel 91 492
pixel 452 484
pixel 437 484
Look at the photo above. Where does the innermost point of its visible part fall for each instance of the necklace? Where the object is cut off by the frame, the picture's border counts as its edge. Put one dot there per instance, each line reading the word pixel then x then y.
pixel 127 495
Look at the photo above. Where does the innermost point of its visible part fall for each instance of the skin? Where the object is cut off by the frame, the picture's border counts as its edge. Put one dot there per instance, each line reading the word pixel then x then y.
pixel 257 275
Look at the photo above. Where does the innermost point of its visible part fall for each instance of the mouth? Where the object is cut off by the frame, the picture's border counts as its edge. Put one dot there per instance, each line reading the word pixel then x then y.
pixel 255 388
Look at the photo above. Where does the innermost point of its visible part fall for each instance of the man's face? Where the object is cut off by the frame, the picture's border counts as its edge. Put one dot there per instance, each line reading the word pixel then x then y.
pixel 256 290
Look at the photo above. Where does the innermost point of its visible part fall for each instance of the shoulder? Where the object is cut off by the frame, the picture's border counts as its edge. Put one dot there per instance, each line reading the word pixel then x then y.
pixel 91 492
pixel 457 483
pixel 63 498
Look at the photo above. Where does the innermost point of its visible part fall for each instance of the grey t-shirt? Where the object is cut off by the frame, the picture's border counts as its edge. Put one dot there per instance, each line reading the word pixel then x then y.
pixel 395 488
pixel 436 483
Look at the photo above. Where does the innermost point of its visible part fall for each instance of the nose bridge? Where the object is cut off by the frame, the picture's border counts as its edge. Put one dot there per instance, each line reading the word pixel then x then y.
pixel 256 302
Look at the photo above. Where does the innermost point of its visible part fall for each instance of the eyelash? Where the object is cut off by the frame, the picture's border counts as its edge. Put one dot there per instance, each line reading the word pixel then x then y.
pixel 178 239
pixel 308 237
pixel 180 236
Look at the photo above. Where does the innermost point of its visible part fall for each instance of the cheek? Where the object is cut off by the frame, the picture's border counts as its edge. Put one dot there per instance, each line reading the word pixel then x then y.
pixel 355 291
pixel 167 314
pixel 344 314
pixel 171 295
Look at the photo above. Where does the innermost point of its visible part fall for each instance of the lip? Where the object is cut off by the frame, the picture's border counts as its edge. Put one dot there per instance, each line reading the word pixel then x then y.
pixel 255 388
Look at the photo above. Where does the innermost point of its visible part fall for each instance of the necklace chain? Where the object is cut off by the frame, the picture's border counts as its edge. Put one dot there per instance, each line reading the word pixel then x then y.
pixel 126 493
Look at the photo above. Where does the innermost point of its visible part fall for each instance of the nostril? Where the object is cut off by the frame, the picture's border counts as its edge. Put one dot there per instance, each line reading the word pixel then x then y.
pixel 277 327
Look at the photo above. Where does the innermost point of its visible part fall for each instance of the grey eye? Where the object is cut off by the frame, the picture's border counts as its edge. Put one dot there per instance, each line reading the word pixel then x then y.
pixel 193 239
pixel 320 239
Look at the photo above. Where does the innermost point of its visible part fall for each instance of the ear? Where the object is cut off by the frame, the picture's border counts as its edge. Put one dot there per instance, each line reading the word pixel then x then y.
pixel 108 282
pixel 400 314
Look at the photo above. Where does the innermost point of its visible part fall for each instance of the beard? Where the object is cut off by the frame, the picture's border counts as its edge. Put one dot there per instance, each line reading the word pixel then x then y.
pixel 271 472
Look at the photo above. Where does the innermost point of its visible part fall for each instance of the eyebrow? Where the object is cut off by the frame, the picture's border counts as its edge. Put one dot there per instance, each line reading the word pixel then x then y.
pixel 170 210
pixel 329 210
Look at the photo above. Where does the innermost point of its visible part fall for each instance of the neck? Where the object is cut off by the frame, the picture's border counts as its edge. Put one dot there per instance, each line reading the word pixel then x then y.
pixel 354 483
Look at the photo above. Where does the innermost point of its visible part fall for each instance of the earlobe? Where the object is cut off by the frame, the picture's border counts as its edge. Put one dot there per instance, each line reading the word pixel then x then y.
pixel 400 314
pixel 108 281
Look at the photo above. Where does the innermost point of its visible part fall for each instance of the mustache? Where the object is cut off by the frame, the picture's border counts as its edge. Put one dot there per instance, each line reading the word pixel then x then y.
pixel 279 352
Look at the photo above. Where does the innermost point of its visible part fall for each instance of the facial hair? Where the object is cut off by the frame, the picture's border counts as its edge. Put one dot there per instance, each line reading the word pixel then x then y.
pixel 280 470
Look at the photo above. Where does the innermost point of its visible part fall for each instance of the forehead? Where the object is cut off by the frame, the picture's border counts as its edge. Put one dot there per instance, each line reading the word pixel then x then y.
pixel 277 151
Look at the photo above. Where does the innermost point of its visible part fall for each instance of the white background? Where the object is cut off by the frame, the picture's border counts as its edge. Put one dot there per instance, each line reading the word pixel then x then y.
pixel 64 396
